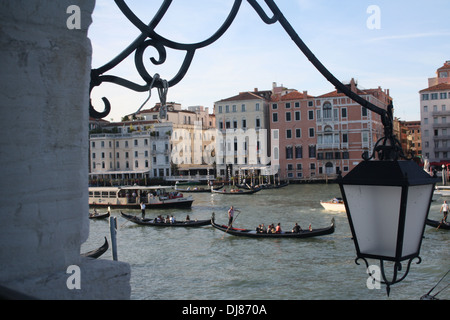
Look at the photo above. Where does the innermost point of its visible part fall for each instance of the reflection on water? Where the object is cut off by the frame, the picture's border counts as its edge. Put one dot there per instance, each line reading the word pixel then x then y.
pixel 204 263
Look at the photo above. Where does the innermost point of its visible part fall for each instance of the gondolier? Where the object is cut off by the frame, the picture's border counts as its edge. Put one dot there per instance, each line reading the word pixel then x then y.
pixel 231 215
pixel 444 210
pixel 143 209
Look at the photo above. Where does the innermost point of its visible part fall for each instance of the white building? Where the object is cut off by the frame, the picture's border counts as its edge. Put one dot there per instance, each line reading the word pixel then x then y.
pixel 138 154
pixel 243 142
pixel 435 116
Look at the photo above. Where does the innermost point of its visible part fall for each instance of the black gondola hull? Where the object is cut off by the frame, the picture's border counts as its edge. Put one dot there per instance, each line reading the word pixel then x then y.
pixel 253 234
pixel 99 216
pixel 440 224
pixel 152 223
pixel 97 252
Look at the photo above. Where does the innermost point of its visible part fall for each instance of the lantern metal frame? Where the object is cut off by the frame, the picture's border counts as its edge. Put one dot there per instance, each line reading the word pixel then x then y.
pixel 389 173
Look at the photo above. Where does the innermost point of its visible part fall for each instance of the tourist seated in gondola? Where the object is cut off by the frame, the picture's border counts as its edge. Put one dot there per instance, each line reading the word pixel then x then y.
pixel 261 229
pixel 172 219
pixel 278 229
pixel 188 218
pixel 271 228
pixel 296 228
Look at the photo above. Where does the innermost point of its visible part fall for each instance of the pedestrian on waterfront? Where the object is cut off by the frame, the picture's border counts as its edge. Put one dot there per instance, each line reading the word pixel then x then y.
pixel 444 210
pixel 231 212
pixel 143 209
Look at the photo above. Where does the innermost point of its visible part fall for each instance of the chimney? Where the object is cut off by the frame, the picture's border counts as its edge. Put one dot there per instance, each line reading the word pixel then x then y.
pixel 256 90
pixel 305 94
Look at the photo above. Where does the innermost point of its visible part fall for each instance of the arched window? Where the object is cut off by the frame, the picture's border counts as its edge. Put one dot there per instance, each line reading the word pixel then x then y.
pixel 326 110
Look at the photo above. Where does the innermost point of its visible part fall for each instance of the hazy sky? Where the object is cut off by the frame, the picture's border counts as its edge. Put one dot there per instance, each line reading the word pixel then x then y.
pixel 399 51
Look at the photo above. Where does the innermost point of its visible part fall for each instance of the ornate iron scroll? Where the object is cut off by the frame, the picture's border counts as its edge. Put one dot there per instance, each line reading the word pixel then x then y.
pixel 149 37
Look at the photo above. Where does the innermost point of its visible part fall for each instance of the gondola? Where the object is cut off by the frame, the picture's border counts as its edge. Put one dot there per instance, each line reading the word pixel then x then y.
pixel 438 223
pixel 96 215
pixel 236 191
pixel 194 190
pixel 153 223
pixel 199 189
pixel 285 234
pixel 97 252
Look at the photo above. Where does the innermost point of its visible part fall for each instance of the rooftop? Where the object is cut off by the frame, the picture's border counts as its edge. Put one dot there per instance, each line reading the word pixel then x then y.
pixel 256 95
pixel 438 87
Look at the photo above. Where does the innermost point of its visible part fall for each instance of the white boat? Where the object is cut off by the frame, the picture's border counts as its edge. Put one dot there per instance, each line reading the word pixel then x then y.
pixel 336 204
pixel 132 196
pixel 443 191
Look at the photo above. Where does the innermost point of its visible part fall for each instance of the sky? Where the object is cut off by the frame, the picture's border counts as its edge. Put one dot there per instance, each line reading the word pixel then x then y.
pixel 396 45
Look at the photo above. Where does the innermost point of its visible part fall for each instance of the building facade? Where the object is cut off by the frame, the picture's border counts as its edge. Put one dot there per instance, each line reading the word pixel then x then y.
pixel 318 137
pixel 242 124
pixel 413 134
pixel 435 117
pixel 293 142
pixel 143 152
pixel 146 146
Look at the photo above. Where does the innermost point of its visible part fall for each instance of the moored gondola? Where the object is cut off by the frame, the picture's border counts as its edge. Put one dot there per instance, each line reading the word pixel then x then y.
pixel 154 223
pixel 96 215
pixel 438 224
pixel 199 189
pixel 284 234
pixel 97 252
pixel 235 191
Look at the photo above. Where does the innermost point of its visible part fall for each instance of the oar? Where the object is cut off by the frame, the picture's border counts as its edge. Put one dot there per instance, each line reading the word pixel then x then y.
pixel 123 224
pixel 234 219
pixel 442 221
pixel 428 293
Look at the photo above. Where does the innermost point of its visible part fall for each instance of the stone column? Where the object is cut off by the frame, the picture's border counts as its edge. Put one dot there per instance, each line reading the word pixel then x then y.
pixel 44 87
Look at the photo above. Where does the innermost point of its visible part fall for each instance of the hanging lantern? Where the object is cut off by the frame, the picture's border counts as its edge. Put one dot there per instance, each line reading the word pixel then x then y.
pixel 387 202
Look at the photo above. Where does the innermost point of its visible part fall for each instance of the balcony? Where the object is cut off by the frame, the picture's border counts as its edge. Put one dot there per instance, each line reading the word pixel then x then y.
pixel 442 149
pixel 441 113
pixel 441 125
pixel 334 146
pixel 441 137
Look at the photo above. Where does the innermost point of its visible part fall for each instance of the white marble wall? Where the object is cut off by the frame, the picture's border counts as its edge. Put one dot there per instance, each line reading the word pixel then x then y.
pixel 44 84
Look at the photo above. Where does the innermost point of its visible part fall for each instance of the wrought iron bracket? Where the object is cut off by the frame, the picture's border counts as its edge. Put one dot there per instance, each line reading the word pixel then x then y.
pixel 150 38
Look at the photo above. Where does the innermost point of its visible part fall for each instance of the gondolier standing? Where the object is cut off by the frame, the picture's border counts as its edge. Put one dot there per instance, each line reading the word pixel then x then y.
pixel 143 209
pixel 231 215
pixel 444 210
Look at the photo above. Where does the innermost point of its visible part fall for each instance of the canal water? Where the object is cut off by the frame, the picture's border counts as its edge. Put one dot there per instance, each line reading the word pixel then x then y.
pixel 206 264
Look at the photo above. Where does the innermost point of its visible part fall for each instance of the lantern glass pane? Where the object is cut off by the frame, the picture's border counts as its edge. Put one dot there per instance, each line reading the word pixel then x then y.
pixel 375 212
pixel 416 212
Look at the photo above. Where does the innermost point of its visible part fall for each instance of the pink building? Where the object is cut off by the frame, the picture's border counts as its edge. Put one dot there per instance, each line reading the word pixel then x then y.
pixel 293 142
pixel 317 137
